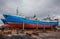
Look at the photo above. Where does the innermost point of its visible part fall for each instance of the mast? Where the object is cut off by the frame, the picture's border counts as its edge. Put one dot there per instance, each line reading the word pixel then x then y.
pixel 49 17
pixel 17 11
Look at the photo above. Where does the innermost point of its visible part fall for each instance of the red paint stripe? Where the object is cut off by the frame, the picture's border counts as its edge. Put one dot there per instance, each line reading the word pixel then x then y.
pixel 29 26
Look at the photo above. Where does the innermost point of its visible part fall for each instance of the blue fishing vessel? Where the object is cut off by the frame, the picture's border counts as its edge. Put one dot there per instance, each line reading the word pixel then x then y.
pixel 18 21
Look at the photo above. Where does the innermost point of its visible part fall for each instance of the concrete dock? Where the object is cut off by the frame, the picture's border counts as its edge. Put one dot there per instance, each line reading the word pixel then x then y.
pixel 46 35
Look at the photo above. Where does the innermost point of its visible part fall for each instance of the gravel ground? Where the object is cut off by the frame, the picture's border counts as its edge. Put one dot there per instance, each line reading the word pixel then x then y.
pixel 51 35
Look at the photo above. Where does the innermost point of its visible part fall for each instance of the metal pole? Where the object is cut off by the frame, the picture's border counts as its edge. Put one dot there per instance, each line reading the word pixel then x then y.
pixel 51 27
pixel 23 25
pixel 44 28
pixel 37 25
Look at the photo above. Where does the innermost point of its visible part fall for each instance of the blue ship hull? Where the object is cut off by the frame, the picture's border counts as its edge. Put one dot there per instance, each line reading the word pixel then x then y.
pixel 18 21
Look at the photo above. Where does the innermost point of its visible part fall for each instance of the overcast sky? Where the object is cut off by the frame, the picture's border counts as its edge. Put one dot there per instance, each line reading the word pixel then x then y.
pixel 41 8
